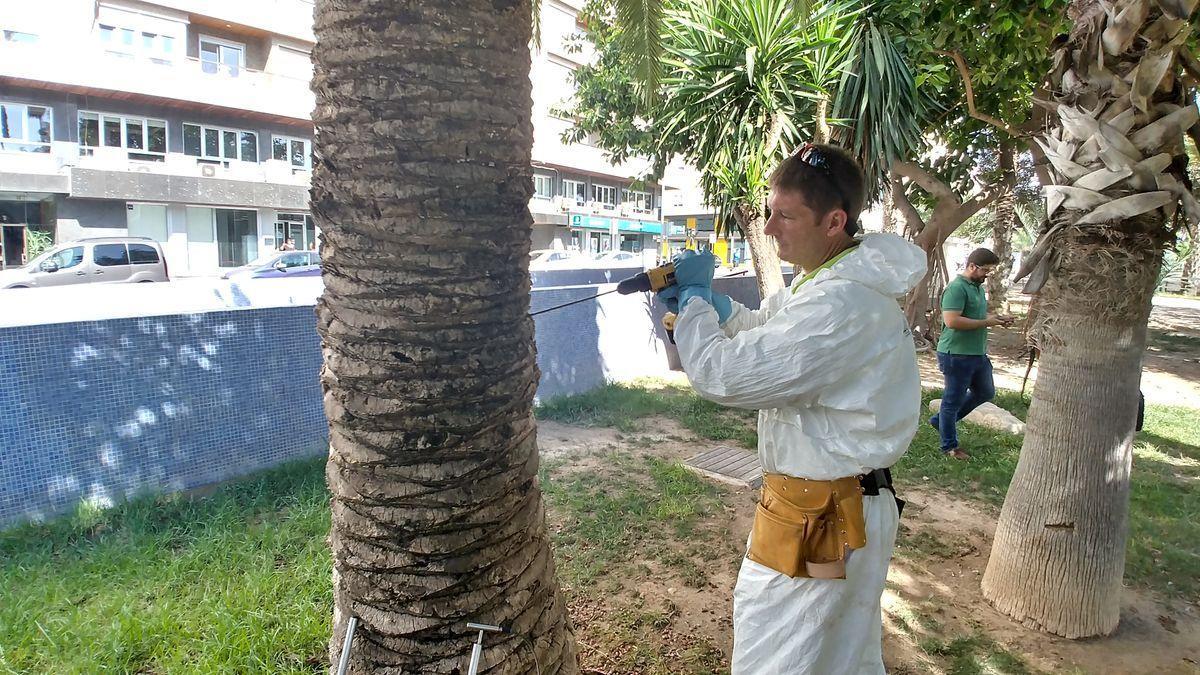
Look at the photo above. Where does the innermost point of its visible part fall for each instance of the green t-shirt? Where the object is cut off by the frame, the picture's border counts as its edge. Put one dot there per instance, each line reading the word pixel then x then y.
pixel 967 297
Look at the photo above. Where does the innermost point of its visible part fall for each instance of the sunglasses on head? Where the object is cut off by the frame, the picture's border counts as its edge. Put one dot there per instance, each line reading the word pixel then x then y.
pixel 818 159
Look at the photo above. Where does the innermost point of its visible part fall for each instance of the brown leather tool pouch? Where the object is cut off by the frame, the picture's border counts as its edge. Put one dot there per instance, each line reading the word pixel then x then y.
pixel 804 528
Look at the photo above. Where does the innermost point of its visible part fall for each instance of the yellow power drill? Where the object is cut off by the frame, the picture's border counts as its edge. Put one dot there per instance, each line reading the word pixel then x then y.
pixel 653 280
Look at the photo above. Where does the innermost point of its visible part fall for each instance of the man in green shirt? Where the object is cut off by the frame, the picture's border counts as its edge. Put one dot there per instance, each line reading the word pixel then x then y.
pixel 962 349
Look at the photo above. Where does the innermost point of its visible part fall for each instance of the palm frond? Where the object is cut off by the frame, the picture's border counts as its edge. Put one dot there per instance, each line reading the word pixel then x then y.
pixel 641 22
pixel 879 99
pixel 536 7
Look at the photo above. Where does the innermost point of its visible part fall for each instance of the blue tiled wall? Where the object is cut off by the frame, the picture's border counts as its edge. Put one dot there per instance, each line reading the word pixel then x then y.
pixel 102 410
pixel 106 409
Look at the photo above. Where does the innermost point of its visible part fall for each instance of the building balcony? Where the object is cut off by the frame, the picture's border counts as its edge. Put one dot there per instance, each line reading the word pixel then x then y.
pixel 109 173
pixel 92 70
pixel 293 18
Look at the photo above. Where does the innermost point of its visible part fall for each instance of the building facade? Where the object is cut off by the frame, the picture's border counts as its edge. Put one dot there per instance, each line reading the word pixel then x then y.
pixel 189 121
pixel 693 223
pixel 581 200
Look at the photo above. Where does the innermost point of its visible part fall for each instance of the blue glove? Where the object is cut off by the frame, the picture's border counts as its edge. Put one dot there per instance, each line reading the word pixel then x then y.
pixel 723 305
pixel 719 301
pixel 669 296
pixel 694 269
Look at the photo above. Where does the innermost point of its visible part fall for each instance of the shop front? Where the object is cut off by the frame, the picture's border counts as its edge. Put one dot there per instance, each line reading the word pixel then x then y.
pixel 599 234
pixel 26 228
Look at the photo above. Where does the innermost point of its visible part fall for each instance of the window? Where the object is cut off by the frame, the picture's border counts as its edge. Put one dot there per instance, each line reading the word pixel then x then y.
pixel 147 220
pixel 297 228
pixel 642 201
pixel 574 189
pixel 220 144
pixel 604 194
pixel 543 186
pixel 145 138
pixel 110 255
pixel 25 128
pixel 221 56
pixel 142 254
pixel 18 36
pixel 295 260
pixel 68 257
pixel 237 237
pixel 129 42
pixel 295 151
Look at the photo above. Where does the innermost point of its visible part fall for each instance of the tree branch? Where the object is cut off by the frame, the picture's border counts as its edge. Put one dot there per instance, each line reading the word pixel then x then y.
pixel 1190 65
pixel 980 201
pixel 981 116
pixel 915 223
pixel 926 180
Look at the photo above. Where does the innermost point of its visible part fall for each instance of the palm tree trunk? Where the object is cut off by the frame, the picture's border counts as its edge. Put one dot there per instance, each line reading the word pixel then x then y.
pixel 1059 552
pixel 420 186
pixel 1003 221
pixel 890 216
pixel 764 253
pixel 821 120
pixel 1187 274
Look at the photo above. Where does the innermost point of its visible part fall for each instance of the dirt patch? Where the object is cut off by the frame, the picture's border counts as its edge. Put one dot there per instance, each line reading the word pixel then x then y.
pixel 1153 637
pixel 668 608
pixel 1171 368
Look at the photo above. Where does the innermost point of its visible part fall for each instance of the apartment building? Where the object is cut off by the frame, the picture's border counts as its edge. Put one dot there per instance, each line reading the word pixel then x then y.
pixel 189 121
pixel 692 222
pixel 582 200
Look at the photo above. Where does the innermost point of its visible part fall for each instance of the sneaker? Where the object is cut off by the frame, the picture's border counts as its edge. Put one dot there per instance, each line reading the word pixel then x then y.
pixel 957 453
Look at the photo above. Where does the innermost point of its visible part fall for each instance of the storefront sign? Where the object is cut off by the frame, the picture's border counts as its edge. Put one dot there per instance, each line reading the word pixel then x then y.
pixel 586 222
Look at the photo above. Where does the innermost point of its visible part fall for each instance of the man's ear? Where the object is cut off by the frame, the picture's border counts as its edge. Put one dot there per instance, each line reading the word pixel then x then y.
pixel 835 222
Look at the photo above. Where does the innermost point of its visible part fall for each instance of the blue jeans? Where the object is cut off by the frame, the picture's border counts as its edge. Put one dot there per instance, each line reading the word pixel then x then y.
pixel 968 384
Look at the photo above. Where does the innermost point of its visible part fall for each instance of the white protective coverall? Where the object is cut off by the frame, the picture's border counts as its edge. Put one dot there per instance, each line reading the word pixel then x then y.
pixel 830 364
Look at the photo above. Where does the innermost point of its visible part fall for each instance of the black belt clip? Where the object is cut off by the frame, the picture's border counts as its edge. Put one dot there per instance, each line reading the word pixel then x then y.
pixel 879 479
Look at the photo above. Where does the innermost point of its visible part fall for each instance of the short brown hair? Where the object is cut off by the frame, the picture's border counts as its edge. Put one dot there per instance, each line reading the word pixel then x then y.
pixel 983 256
pixel 827 177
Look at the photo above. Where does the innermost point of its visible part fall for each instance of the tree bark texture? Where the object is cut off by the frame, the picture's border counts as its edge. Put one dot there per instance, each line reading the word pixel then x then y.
pixel 764 252
pixel 1004 220
pixel 1113 145
pixel 1187 272
pixel 821 129
pixel 890 220
pixel 421 183
pixel 1059 552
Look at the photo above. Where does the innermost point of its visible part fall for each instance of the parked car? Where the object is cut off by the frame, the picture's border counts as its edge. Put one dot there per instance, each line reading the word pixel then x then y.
pixel 101 260
pixel 618 259
pixel 279 264
pixel 556 259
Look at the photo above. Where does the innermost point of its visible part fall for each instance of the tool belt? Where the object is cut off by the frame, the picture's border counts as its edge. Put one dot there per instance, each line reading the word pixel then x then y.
pixel 806 528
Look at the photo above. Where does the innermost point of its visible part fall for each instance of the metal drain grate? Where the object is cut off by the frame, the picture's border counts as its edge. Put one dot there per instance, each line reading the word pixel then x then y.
pixel 731 465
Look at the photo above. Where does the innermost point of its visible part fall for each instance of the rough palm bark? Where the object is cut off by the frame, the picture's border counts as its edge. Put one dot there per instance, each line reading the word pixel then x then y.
pixel 420 186
pixel 1187 272
pixel 1119 112
pixel 1004 220
pixel 821 129
pixel 764 252
pixel 890 218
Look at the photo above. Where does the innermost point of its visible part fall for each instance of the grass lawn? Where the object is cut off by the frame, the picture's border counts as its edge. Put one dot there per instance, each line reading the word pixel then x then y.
pixel 239 581
pixel 1164 537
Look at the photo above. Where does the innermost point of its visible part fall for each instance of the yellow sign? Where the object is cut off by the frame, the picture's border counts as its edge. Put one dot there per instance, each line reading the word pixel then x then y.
pixel 720 249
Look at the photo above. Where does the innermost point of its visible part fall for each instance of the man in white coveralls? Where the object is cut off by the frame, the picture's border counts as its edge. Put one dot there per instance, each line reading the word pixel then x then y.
pixel 830 365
